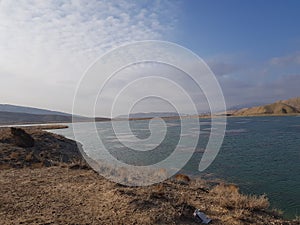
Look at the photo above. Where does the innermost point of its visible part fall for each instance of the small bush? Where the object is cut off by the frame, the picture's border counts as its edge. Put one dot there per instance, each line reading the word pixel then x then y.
pixel 277 212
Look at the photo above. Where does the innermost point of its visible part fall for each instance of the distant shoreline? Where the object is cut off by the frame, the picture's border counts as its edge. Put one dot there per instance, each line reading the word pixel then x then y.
pixel 63 125
pixel 46 126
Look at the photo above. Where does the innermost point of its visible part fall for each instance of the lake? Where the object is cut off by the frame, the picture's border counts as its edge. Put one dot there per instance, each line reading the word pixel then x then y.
pixel 259 154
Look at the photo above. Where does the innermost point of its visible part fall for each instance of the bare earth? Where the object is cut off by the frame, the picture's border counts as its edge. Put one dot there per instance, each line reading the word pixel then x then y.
pixel 58 195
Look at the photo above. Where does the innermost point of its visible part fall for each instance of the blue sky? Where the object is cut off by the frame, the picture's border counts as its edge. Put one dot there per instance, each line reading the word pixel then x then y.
pixel 254 44
pixel 253 47
pixel 259 29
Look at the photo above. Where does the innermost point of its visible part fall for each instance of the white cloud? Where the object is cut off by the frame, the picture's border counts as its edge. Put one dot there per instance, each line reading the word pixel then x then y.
pixel 287 60
pixel 133 83
pixel 45 46
pixel 246 82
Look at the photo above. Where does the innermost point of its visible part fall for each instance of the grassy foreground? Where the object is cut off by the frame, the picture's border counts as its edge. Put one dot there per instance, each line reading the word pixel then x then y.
pixel 40 188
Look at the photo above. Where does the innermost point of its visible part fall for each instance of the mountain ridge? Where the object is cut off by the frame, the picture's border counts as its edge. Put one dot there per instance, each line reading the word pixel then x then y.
pixel 282 107
pixel 17 115
pixel 12 118
pixel 12 114
pixel 30 110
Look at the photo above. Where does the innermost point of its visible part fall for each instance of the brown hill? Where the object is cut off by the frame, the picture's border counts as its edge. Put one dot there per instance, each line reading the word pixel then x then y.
pixel 294 102
pixel 283 107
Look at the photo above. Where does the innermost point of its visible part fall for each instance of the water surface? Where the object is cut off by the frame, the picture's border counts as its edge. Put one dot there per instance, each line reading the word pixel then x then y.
pixel 260 154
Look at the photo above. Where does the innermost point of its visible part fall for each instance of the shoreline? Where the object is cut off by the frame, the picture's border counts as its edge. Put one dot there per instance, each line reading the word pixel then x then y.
pixel 29 190
pixel 54 124
pixel 46 126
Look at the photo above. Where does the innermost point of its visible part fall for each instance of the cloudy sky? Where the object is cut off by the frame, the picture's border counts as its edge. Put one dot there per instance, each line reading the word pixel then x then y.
pixel 253 47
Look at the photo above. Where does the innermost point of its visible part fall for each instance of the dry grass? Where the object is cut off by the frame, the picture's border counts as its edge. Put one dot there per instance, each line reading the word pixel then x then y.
pixel 228 196
pixel 29 157
pixel 77 164
pixel 277 212
pixel 58 195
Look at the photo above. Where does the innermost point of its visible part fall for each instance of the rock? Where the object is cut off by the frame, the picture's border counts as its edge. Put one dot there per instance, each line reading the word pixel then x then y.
pixel 182 178
pixel 47 163
pixel 21 138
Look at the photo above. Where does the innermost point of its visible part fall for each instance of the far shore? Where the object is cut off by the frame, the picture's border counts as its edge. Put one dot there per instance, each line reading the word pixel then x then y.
pixel 63 125
pixel 43 126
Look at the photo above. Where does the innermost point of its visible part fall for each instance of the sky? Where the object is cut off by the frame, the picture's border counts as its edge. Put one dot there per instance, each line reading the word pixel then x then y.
pixel 253 47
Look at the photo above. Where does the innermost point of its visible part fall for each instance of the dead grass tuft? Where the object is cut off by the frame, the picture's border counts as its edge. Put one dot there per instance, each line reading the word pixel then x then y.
pixel 228 196
pixel 277 213
pixel 78 164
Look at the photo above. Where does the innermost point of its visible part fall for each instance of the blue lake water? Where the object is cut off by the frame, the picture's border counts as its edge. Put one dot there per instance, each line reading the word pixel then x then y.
pixel 260 154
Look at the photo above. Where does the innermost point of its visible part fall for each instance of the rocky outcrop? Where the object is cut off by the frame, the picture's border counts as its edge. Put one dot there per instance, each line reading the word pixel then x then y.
pixel 21 138
pixel 36 148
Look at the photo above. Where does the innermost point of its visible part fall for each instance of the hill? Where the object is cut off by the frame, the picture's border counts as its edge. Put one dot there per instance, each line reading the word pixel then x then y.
pixel 285 107
pixel 294 102
pixel 11 115
pixel 29 110
pixel 10 118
